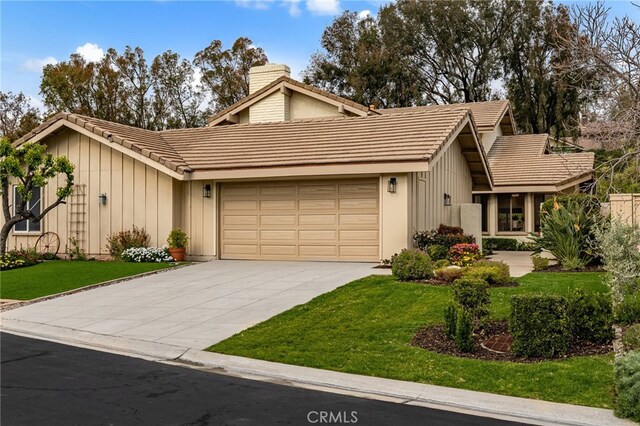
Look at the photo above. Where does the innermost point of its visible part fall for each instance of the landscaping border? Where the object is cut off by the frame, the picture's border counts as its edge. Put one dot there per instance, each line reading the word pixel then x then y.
pixel 13 305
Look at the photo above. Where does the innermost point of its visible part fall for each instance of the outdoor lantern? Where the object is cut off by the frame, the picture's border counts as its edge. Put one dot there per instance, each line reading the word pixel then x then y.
pixel 447 199
pixel 391 185
pixel 206 190
pixel 102 199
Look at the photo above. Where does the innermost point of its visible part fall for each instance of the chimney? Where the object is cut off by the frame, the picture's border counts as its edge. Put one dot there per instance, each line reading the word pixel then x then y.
pixel 265 74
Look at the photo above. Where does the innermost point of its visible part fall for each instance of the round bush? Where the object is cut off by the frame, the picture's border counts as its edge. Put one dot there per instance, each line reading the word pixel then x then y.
pixel 438 252
pixel 493 272
pixel 627 385
pixel 412 265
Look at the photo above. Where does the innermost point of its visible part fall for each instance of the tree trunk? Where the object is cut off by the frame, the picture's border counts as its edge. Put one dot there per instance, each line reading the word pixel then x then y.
pixel 4 235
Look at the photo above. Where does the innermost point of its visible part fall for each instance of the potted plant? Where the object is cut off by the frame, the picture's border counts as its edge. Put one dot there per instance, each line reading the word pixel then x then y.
pixel 177 241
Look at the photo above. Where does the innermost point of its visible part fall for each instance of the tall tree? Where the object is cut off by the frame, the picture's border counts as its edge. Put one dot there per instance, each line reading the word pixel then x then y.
pixel 17 116
pixel 69 86
pixel 175 84
pixel 31 167
pixel 363 59
pixel 225 73
pixel 543 100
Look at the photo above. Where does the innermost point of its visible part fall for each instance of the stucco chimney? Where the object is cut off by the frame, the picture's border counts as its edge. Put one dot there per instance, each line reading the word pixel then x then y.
pixel 265 74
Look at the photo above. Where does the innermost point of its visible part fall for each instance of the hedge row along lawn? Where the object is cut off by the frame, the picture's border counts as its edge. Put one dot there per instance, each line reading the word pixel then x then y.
pixel 56 276
pixel 365 327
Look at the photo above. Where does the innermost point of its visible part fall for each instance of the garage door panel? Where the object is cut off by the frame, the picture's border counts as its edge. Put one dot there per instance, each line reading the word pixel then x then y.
pixel 315 205
pixel 242 220
pixel 240 191
pixel 240 205
pixel 359 204
pixel 278 191
pixel 281 219
pixel 318 219
pixel 309 220
pixel 278 250
pixel 277 235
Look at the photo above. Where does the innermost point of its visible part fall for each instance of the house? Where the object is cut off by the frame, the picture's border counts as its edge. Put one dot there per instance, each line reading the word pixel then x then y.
pixel 295 172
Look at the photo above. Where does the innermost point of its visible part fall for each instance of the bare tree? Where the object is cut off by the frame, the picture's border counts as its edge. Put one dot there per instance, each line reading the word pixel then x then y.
pixel 608 52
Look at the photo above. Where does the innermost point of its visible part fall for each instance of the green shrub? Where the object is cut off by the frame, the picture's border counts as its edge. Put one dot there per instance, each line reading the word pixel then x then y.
pixel 443 236
pixel 120 241
pixel 472 295
pixel 412 265
pixel 500 244
pixel 526 246
pixel 449 275
pixel 618 245
pixel 567 226
pixel 450 320
pixel 631 338
pixel 627 386
pixel 628 310
pixel 493 272
pixel 591 317
pixel 539 263
pixel 437 252
pixel 442 263
pixel 19 258
pixel 177 238
pixel 539 325
pixel 464 331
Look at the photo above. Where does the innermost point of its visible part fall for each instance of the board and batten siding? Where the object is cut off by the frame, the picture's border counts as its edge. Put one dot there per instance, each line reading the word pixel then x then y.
pixel 449 174
pixel 199 218
pixel 137 194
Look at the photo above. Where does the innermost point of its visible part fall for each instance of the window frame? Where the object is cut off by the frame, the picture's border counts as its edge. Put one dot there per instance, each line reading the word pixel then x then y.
pixel 521 195
pixel 28 223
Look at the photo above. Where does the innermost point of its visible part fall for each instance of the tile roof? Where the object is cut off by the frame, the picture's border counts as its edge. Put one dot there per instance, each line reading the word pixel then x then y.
pixel 409 136
pixel 486 115
pixel 292 82
pixel 145 142
pixel 521 160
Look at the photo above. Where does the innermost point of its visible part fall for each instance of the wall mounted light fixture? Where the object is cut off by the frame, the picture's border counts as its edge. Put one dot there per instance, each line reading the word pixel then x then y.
pixel 447 199
pixel 391 185
pixel 102 199
pixel 206 190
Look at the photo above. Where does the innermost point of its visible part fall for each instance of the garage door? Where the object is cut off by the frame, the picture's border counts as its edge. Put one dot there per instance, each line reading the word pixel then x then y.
pixel 305 220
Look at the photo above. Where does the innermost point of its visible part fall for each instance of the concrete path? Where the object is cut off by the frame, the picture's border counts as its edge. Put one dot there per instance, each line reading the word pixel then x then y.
pixel 191 307
pixel 519 261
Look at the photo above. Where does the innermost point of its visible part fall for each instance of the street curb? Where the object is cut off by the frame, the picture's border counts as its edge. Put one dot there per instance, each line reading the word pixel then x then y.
pixel 21 303
pixel 449 399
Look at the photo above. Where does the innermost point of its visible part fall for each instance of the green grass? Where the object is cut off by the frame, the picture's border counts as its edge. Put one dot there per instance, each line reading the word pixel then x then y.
pixel 365 327
pixel 53 277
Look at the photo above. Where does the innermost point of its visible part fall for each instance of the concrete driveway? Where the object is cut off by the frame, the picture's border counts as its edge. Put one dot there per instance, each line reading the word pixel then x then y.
pixel 195 306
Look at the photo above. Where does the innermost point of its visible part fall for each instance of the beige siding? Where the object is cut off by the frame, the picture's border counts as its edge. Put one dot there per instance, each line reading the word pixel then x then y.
pixel 136 195
pixel 199 219
pixel 449 174
pixel 626 208
pixel 303 107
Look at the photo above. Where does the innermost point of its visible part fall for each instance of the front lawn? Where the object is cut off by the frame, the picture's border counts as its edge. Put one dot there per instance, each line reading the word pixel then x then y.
pixel 56 276
pixel 365 327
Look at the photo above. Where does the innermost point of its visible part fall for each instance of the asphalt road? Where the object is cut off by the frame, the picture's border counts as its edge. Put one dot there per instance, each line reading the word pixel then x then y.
pixel 44 383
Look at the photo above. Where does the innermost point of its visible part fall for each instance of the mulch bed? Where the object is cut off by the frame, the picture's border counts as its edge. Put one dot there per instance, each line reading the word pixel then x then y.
pixel 497 334
pixel 588 268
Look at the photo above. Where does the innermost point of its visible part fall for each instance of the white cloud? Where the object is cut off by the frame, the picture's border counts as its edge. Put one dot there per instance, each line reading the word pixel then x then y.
pixel 36 65
pixel 364 14
pixel 255 4
pixel 294 7
pixel 36 102
pixel 324 7
pixel 91 52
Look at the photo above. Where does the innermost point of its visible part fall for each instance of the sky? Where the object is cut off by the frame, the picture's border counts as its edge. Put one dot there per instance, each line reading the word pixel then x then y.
pixel 34 33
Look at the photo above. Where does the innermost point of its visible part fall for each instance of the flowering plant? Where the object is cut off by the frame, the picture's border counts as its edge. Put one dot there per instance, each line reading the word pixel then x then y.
pixel 147 254
pixel 464 254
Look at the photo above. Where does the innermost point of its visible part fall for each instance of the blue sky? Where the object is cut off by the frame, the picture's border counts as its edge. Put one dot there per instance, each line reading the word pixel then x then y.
pixel 34 33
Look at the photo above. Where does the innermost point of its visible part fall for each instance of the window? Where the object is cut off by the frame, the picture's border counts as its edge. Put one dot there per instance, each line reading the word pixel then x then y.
pixel 538 199
pixel 34 205
pixel 511 212
pixel 484 200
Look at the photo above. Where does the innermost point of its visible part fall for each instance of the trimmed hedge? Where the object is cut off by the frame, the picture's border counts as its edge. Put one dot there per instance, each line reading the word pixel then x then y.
pixel 472 295
pixel 501 244
pixel 539 325
pixel 627 385
pixel 539 263
pixel 591 317
pixel 493 272
pixel 412 265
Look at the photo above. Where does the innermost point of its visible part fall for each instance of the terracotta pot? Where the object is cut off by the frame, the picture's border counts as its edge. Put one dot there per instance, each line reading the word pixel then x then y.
pixel 177 253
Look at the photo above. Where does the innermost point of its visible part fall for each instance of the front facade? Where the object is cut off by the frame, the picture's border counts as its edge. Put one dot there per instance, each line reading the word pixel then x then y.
pixel 290 172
